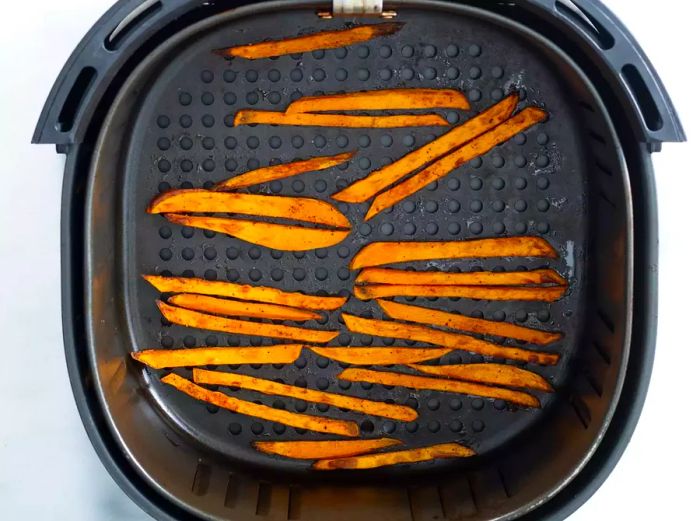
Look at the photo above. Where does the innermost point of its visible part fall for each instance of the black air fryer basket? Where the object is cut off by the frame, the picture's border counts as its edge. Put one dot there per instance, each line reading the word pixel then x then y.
pixel 144 106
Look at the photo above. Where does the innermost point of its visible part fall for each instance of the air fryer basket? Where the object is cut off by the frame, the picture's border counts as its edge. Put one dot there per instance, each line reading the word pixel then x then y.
pixel 185 460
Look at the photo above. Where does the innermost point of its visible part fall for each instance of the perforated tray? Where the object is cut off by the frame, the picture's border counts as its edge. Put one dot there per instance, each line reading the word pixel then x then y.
pixel 182 137
pixel 564 180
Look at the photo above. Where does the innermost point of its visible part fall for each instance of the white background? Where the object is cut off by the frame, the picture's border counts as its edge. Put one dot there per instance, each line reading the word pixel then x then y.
pixel 48 469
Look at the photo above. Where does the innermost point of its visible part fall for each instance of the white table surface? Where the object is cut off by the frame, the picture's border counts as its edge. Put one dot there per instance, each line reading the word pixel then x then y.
pixel 48 469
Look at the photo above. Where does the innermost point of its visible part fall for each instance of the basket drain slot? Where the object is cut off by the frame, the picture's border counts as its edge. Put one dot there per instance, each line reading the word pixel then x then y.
pixel 573 12
pixel 645 101
pixel 75 97
pixel 130 23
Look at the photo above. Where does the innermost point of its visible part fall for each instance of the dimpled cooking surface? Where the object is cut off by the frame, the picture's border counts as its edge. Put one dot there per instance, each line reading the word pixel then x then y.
pixel 533 185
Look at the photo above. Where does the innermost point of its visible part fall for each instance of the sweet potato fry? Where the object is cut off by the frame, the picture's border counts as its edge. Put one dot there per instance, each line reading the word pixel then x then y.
pixel 323 449
pixel 523 120
pixel 267 117
pixel 304 209
pixel 385 328
pixel 379 253
pixel 434 317
pixel 385 410
pixel 277 236
pixel 160 358
pixel 375 182
pixel 385 99
pixel 243 292
pixel 371 461
pixel 188 318
pixel 543 294
pixel 475 278
pixel 238 308
pixel 311 42
pixel 282 171
pixel 438 384
pixel 496 374
pixel 293 419
pixel 380 355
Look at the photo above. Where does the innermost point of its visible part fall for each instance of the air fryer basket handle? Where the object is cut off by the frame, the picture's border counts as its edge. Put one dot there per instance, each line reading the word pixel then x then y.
pixel 98 63
pixel 649 104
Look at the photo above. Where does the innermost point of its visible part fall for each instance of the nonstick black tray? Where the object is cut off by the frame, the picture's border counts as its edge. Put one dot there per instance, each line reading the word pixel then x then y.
pixel 566 180
pixel 536 184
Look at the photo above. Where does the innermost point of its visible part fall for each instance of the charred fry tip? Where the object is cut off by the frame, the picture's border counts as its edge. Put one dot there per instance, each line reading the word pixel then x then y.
pixel 387 28
pixel 224 52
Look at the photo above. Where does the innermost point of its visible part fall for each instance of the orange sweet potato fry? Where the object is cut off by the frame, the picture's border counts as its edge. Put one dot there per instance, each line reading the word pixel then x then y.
pixel 385 410
pixel 523 120
pixel 438 384
pixel 243 292
pixel 380 355
pixel 385 328
pixel 238 308
pixel 496 374
pixel 311 42
pixel 380 253
pixel 371 461
pixel 293 419
pixel 304 209
pixel 188 318
pixel 160 358
pixel 540 294
pixel 434 317
pixel 267 117
pixel 270 235
pixel 282 171
pixel 474 278
pixel 309 449
pixel 375 182
pixel 384 99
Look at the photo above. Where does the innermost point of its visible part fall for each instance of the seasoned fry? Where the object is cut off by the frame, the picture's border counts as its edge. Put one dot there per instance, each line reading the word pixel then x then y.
pixel 293 419
pixel 267 117
pixel 282 171
pixel 379 253
pixel 311 42
pixel 497 374
pixel 375 182
pixel 385 99
pixel 186 317
pixel 475 278
pixel 380 355
pixel 371 461
pixel 304 209
pixel 523 120
pixel 238 308
pixel 385 410
pixel 543 294
pixel 385 328
pixel 160 358
pixel 243 292
pixel 434 317
pixel 438 384
pixel 323 449
pixel 277 236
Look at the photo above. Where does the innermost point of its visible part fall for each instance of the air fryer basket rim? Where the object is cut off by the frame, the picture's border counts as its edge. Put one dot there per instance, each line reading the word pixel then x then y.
pixel 196 28
pixel 69 318
pixel 529 505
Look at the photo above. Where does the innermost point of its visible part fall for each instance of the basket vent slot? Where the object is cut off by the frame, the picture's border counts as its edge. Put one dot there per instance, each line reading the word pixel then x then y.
pixel 578 16
pixel 202 476
pixel 645 101
pixel 130 22
pixel 264 499
pixel 66 118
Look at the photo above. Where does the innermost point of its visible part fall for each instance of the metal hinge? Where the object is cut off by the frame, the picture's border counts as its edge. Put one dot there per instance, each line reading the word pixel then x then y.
pixel 357 8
